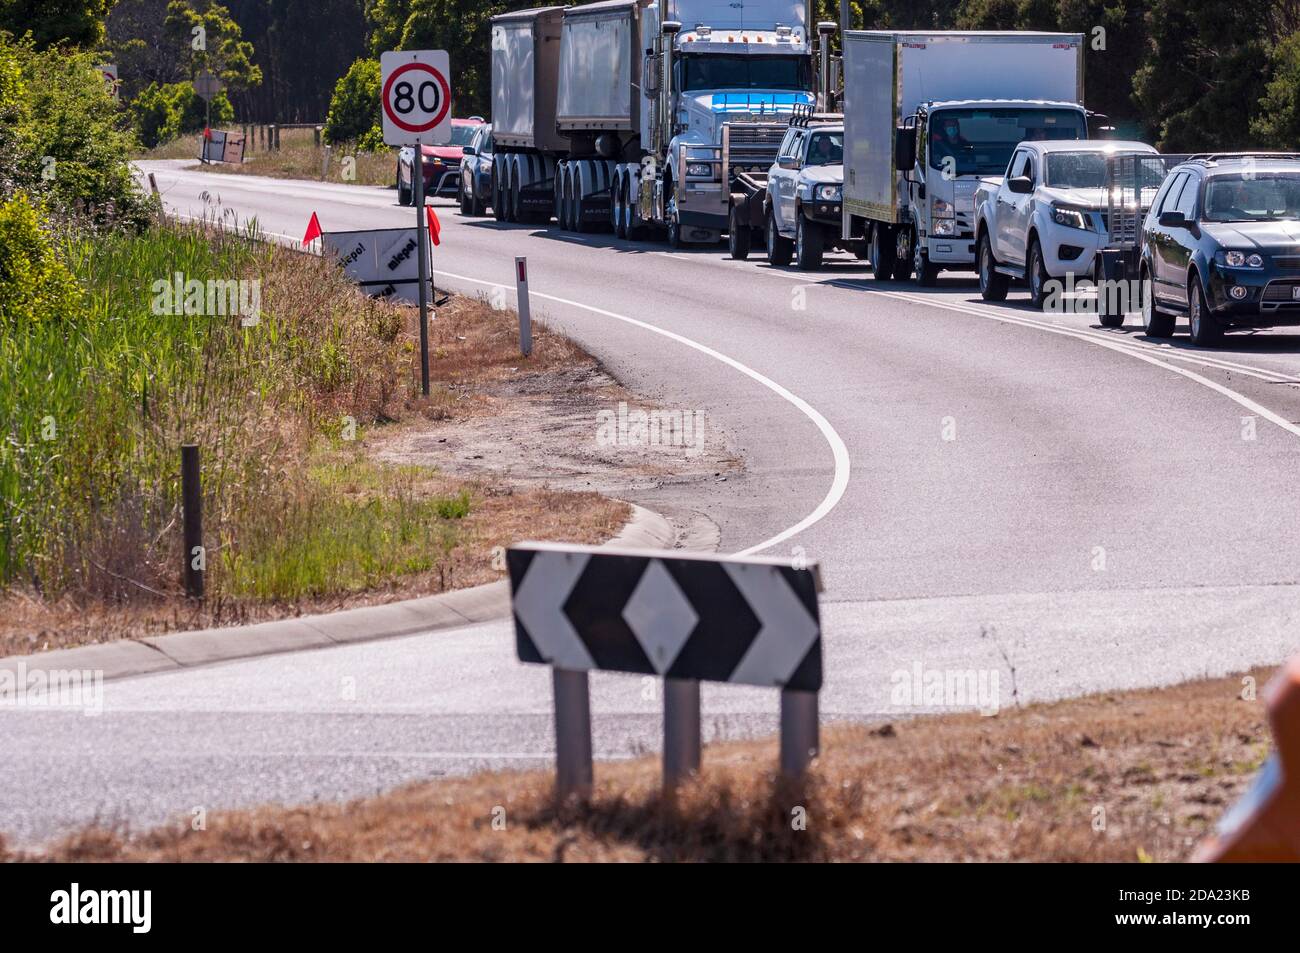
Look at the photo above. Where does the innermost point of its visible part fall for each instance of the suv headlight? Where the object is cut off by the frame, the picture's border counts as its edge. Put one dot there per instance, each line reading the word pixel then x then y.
pixel 1069 217
pixel 828 193
pixel 1240 259
pixel 700 169
pixel 940 208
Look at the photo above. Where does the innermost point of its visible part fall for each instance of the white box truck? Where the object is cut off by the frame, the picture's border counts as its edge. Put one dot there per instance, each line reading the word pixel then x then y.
pixel 927 116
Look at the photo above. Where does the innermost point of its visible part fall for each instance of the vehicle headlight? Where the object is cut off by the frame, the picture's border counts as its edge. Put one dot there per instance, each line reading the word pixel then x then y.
pixel 1240 259
pixel 828 193
pixel 699 169
pixel 940 208
pixel 1069 217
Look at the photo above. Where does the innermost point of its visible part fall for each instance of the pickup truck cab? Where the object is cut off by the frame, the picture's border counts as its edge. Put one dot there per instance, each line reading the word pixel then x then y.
pixel 804 190
pixel 1046 218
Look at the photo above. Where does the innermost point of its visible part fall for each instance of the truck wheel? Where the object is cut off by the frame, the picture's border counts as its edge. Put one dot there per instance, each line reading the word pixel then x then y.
pixel 616 208
pixel 1037 276
pixel 740 237
pixel 575 182
pixel 881 253
pixel 779 250
pixel 674 228
pixel 993 285
pixel 403 195
pixel 634 227
pixel 558 201
pixel 927 275
pixel 1156 323
pixel 809 244
pixel 1205 329
pixel 902 254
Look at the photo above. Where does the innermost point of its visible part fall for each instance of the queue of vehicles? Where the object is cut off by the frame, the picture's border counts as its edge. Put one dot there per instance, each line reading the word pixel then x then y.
pixel 958 150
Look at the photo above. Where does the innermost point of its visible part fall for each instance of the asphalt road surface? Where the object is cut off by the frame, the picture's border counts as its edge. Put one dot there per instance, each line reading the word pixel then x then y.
pixel 984 486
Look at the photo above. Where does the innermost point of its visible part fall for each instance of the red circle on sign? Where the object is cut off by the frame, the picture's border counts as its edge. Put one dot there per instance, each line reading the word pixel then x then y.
pixel 442 112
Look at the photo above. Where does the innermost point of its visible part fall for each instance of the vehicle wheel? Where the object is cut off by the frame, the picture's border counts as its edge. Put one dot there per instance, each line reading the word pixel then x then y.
pixel 1036 275
pixel 926 274
pixel 1206 330
pixel 882 253
pixel 575 210
pixel 403 195
pixel 498 203
pixel 779 250
pixel 633 227
pixel 465 207
pixel 674 228
pixel 1104 316
pixel 566 201
pixel 740 237
pixel 993 285
pixel 809 244
pixel 1157 323
pixel 507 200
pixel 617 222
pixel 861 250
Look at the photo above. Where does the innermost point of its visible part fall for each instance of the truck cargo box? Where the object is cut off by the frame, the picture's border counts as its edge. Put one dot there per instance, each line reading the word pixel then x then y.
pixel 887 75
pixel 525 68
pixel 600 67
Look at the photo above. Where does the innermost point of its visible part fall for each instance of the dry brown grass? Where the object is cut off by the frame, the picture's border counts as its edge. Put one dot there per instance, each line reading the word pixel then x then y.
pixel 297 158
pixel 1029 784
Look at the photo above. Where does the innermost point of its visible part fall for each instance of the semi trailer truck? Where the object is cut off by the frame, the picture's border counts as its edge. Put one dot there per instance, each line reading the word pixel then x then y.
pixel 638 114
pixel 927 116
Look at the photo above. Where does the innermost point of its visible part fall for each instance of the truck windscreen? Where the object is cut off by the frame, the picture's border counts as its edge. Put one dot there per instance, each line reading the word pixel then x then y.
pixel 980 141
pixel 758 71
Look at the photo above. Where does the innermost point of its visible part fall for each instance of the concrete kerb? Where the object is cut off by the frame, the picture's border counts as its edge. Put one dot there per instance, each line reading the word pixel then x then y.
pixel 645 529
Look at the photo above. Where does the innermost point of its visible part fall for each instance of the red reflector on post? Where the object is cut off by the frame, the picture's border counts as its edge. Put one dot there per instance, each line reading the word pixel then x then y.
pixel 523 270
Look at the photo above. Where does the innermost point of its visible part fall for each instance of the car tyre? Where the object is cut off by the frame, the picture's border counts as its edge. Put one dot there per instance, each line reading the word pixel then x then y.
pixel 993 284
pixel 780 250
pixel 809 244
pixel 1204 327
pixel 1036 275
pixel 403 195
pixel 1105 317
pixel 1156 323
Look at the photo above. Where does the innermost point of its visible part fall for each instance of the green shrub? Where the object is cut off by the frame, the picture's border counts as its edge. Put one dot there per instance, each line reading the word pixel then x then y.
pixel 162 112
pixel 68 148
pixel 354 108
pixel 35 287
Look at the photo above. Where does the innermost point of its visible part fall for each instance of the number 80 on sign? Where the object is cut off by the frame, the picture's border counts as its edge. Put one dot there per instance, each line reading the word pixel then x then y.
pixel 415 97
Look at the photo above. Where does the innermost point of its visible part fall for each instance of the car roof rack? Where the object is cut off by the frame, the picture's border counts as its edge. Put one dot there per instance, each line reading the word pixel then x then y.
pixel 802 114
pixel 1208 157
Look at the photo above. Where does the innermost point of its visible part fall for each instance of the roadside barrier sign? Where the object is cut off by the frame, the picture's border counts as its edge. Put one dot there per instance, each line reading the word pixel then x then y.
pixel 221 146
pixel 681 616
pixel 383 261
pixel 415 97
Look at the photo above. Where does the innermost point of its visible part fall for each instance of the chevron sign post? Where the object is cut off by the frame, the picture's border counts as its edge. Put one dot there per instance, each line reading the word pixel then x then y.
pixel 687 618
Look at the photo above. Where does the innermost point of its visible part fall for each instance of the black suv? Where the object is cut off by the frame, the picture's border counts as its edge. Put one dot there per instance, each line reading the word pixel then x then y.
pixel 1222 245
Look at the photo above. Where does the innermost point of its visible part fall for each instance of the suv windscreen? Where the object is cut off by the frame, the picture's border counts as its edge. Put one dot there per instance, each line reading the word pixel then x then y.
pixel 826 148
pixel 461 135
pixel 743 72
pixel 1257 197
pixel 980 141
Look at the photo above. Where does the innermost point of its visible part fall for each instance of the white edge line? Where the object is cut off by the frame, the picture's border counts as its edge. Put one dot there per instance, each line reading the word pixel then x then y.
pixel 840 452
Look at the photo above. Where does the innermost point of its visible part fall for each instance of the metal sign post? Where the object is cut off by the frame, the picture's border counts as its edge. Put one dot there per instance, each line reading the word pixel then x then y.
pixel 682 616
pixel 415 110
pixel 525 313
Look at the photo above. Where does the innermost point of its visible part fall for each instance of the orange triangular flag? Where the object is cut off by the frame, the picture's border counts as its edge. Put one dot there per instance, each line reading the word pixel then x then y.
pixel 313 229
pixel 435 226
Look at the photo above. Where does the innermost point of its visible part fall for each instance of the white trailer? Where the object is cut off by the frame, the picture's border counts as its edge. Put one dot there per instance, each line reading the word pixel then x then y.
pixel 660 105
pixel 927 116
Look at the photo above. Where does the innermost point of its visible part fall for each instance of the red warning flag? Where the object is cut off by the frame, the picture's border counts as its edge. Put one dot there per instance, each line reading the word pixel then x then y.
pixel 313 229
pixel 435 226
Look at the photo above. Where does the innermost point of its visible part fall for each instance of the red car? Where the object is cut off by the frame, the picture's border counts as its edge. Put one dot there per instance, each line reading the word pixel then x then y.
pixel 441 164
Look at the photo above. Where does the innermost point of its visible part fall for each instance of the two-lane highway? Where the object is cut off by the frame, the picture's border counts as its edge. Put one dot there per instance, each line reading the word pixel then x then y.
pixel 976 480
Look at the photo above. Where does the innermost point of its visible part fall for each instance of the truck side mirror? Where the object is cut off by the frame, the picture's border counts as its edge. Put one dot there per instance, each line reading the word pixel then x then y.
pixel 1173 220
pixel 1020 184
pixel 650 75
pixel 904 148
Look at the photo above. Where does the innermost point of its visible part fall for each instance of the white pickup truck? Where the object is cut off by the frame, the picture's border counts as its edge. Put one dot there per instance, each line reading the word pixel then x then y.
pixel 804 189
pixel 1048 217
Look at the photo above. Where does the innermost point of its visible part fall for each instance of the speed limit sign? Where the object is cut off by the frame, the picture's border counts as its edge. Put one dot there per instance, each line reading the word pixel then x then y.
pixel 415 94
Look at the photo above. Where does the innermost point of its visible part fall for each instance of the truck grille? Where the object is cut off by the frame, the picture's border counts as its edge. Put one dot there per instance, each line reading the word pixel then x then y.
pixel 754 144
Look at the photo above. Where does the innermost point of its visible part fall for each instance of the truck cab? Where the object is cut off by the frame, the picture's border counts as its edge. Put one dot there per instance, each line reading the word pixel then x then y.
pixel 945 150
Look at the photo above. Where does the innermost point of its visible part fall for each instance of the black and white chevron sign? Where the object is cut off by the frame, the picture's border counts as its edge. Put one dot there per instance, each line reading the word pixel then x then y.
pixel 744 620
